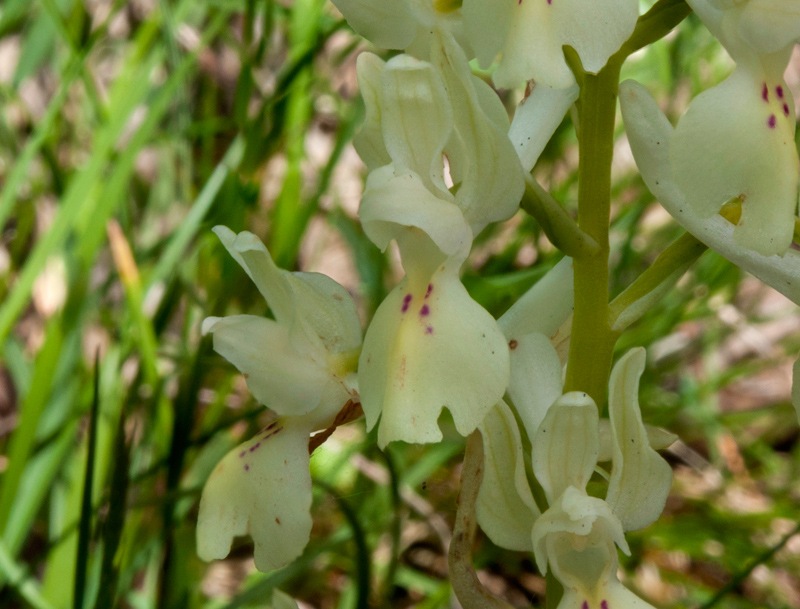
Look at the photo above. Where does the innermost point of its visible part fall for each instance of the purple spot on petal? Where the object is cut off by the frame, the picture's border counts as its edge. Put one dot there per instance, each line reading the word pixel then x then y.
pixel 255 446
pixel 425 310
pixel 771 121
pixel 406 302
pixel 603 604
pixel 429 290
pixel 779 91
pixel 786 109
pixel 764 92
pixel 246 467
pixel 428 329
pixel 584 605
pixel 242 454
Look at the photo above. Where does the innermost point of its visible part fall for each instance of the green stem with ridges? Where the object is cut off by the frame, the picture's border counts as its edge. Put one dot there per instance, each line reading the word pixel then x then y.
pixel 592 340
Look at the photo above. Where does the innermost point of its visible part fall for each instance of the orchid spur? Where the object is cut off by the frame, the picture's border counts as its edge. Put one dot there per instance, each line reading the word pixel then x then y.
pixel 301 366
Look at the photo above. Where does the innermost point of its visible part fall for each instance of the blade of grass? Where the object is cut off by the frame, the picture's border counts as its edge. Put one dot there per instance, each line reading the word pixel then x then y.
pixel 363 556
pixel 33 404
pixel 87 510
pixel 126 95
pixel 11 13
pixel 21 169
pixel 185 409
pixel 742 575
pixel 144 337
pixel 19 579
pixel 180 240
pixel 114 521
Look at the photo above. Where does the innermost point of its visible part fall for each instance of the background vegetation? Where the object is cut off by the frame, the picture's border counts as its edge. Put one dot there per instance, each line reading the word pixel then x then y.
pixel 127 130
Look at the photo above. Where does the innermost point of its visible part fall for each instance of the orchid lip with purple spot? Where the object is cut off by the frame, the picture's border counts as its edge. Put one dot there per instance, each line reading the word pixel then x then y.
pixel 406 302
pixel 425 310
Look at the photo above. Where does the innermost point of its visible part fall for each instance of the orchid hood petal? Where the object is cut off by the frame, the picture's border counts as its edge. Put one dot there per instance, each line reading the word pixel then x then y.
pixel 566 445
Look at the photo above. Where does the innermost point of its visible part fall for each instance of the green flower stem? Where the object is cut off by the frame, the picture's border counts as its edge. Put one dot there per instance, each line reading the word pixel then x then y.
pixel 556 223
pixel 662 274
pixel 592 340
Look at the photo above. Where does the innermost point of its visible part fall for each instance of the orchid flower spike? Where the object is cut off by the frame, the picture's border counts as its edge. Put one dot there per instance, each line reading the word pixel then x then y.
pixel 439 121
pixel 430 345
pixel 301 365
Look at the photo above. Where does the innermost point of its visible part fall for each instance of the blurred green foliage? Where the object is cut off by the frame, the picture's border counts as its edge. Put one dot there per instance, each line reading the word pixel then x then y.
pixel 129 129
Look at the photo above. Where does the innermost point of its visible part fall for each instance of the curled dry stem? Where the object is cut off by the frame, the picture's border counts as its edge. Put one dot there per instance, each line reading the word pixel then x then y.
pixel 469 590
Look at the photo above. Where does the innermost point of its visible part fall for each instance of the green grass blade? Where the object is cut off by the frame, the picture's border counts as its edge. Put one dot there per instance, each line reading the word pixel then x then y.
pixel 114 521
pixel 87 510
pixel 180 240
pixel 33 405
pixel 17 576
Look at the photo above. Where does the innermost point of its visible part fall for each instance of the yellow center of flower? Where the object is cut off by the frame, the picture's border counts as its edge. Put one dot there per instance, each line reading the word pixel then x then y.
pixel 446 6
pixel 342 364
pixel 732 210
